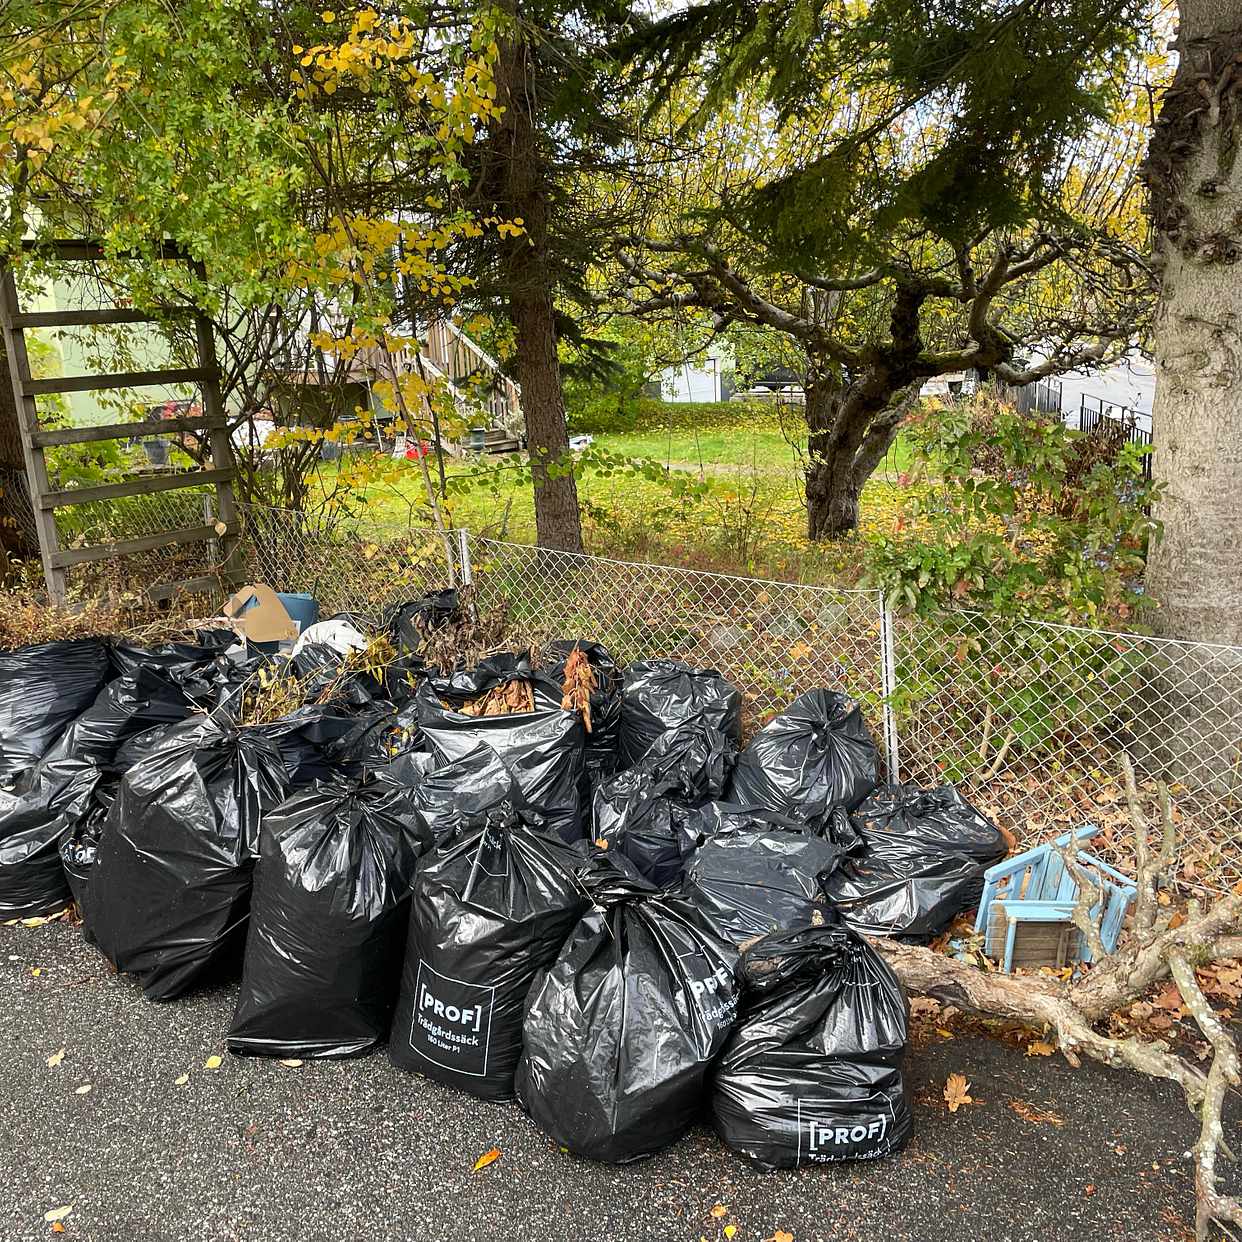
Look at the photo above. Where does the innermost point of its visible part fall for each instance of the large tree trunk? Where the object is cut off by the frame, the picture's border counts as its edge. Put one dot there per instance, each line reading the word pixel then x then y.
pixel 1195 179
pixel 831 496
pixel 531 284
pixel 849 432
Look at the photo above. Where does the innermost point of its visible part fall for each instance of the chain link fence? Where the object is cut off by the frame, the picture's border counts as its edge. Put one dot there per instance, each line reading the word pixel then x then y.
pixel 771 639
pixel 1029 718
pixel 347 562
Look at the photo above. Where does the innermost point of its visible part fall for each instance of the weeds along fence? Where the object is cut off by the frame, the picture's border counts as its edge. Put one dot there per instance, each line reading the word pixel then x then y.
pixel 1029 718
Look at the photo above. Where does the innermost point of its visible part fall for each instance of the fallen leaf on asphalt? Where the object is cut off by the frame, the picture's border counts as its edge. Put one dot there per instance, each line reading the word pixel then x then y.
pixel 1028 1112
pixel 36 971
pixel 730 1230
pixel 956 1092
pixel 180 1082
pixel 488 1157
pixel 719 1211
pixel 84 1089
pixel 781 1235
pixel 57 1227
pixel 292 1062
pixel 37 922
pixel 1040 1048
pixel 1089 1189
pixel 58 1213
pixel 213 1063
pixel 55 1059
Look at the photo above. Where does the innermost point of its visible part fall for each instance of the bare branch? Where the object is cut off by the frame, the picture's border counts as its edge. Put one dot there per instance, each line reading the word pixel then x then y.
pixel 1145 902
pixel 1090 893
pixel 1210 1205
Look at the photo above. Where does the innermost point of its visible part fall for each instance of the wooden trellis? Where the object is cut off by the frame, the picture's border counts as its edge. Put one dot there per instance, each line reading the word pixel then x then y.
pixel 46 499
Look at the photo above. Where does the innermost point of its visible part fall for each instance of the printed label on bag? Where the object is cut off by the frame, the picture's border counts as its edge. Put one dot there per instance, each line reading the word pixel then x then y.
pixel 824 1134
pixel 452 1024
pixel 712 994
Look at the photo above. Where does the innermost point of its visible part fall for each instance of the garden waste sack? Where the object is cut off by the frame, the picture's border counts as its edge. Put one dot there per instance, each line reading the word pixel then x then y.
pixel 505 705
pixel 328 921
pixel 43 689
pixel 59 794
pixel 658 695
pixel 621 1031
pixel 815 755
pixel 924 855
pixel 642 812
pixel 457 797
pixel 813 1071
pixel 489 911
pixel 761 873
pixel 170 889
pixel 603 695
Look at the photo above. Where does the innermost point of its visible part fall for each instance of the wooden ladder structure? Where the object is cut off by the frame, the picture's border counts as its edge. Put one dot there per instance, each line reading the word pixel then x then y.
pixel 45 499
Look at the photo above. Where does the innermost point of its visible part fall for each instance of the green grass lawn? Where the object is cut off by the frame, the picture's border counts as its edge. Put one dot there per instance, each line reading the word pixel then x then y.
pixel 767 450
pixel 731 500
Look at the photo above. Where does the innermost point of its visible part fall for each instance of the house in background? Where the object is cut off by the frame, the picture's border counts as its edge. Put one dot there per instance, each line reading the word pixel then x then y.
pixel 697 380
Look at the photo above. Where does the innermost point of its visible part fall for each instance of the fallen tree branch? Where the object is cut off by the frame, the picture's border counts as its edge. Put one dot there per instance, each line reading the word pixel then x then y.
pixel 1210 1204
pixel 1151 951
pixel 1037 1003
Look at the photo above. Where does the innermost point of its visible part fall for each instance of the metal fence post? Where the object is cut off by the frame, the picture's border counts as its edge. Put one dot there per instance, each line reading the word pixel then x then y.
pixel 463 556
pixel 888 683
pixel 213 544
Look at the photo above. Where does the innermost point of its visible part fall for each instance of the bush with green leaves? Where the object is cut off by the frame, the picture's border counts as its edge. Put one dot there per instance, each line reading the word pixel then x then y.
pixel 1017 515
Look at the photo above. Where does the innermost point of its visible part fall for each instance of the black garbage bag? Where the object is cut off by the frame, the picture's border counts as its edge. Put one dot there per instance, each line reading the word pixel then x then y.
pixel 50 799
pixel 489 911
pixel 925 852
pixel 410 623
pixel 543 748
pixel 813 1071
pixel 620 1033
pixel 239 668
pixel 409 767
pixel 33 821
pixel 79 848
pixel 325 678
pixel 170 890
pixel 43 689
pixel 601 742
pixel 817 754
pixel 179 662
pixel 320 741
pixel 327 921
pixel 658 695
pixel 457 797
pixel 759 873
pixel 643 811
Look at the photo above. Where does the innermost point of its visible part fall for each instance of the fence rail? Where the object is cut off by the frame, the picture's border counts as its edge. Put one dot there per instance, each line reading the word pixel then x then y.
pixel 1030 718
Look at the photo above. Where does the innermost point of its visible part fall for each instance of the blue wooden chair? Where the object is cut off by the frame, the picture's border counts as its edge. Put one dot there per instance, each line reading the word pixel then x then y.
pixel 1026 910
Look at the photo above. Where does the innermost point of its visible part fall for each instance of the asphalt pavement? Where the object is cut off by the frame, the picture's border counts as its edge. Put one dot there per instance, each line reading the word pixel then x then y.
pixel 357 1151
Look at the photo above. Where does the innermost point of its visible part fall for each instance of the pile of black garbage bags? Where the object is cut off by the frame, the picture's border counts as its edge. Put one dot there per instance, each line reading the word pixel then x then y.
pixel 629 928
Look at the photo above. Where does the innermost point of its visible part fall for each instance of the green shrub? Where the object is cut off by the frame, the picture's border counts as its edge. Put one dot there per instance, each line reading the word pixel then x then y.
pixel 1025 518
